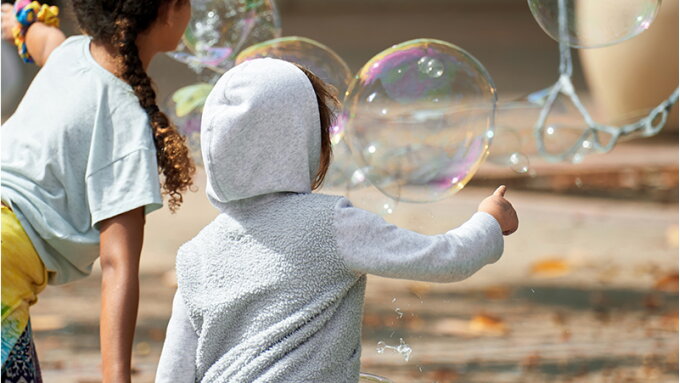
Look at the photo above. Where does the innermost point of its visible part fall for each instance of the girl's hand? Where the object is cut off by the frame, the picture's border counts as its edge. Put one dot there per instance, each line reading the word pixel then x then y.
pixel 9 20
pixel 501 209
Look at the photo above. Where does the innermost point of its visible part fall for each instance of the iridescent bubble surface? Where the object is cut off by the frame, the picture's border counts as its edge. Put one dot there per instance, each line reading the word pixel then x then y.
pixel 595 23
pixel 318 58
pixel 220 29
pixel 184 108
pixel 418 118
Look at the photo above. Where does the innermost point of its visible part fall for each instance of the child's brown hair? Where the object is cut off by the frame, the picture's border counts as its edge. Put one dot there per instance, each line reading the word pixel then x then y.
pixel 328 101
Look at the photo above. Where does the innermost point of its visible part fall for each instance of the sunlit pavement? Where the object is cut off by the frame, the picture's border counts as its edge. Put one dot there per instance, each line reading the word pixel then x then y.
pixel 587 291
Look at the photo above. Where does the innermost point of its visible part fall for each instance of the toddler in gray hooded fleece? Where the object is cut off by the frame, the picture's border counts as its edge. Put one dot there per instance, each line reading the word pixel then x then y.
pixel 273 289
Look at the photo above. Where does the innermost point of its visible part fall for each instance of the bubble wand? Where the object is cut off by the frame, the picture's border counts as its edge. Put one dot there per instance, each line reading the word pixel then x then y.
pixel 591 138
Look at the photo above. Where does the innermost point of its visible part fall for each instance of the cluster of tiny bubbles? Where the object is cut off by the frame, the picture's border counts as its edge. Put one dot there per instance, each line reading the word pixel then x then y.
pixel 403 349
pixel 593 24
pixel 184 108
pixel 316 57
pixel 418 118
pixel 219 29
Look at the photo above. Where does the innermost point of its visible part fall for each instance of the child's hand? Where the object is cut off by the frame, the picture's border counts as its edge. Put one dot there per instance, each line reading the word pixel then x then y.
pixel 9 20
pixel 501 209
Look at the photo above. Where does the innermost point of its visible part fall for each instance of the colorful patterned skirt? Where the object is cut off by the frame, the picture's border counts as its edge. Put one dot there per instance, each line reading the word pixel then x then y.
pixel 23 277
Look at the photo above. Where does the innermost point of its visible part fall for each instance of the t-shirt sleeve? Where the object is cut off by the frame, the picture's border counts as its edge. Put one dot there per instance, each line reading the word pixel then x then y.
pixel 368 244
pixel 127 183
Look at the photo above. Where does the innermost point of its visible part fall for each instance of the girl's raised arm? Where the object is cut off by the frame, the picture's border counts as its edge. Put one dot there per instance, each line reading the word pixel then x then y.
pixel 41 39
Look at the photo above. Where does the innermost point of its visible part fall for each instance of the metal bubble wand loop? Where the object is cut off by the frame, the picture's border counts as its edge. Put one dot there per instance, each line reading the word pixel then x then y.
pixel 590 138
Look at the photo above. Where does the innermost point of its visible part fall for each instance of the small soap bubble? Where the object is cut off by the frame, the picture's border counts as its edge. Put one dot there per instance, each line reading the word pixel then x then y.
pixel 519 163
pixel 388 207
pixel 403 349
pixel 429 66
pixel 381 347
pixel 592 24
pixel 400 314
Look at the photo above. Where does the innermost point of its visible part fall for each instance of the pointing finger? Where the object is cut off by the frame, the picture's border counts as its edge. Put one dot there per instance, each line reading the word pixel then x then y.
pixel 500 191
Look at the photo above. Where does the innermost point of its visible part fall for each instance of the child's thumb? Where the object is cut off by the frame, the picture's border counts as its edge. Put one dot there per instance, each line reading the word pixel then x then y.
pixel 500 191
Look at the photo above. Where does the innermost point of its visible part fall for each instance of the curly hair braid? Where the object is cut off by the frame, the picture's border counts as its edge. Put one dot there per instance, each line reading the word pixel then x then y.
pixel 119 22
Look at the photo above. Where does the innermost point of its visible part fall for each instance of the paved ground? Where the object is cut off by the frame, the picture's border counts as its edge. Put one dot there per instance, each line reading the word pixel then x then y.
pixel 586 292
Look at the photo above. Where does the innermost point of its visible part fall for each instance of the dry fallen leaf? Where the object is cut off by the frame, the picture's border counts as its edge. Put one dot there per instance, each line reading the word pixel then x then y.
pixel 550 268
pixel 652 301
pixel 372 320
pixel 669 321
pixel 157 334
pixel 497 292
pixel 142 348
pixel 419 289
pixel 485 324
pixel 479 325
pixel 454 327
pixel 565 336
pixel 414 323
pixel 531 361
pixel 668 282
pixel 444 375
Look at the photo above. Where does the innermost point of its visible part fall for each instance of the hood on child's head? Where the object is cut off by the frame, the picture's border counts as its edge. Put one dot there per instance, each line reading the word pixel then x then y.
pixel 260 132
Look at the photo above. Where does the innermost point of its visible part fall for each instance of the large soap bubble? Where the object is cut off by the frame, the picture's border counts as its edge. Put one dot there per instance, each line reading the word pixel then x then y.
pixel 419 119
pixel 594 23
pixel 308 53
pixel 219 29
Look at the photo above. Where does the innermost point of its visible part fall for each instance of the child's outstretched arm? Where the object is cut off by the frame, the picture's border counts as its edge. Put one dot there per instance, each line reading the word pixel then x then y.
pixel 370 245
pixel 41 39
pixel 177 363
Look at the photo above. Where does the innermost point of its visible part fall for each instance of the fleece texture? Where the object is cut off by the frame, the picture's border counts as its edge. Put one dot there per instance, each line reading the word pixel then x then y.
pixel 273 289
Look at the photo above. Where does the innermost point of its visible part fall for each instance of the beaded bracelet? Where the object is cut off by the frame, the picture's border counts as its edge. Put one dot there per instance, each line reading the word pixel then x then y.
pixel 27 13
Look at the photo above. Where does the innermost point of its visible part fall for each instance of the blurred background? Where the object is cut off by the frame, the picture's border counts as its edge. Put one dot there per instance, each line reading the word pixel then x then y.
pixel 587 289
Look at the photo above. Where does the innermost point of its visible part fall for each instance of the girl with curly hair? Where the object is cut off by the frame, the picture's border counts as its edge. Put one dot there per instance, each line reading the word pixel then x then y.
pixel 81 158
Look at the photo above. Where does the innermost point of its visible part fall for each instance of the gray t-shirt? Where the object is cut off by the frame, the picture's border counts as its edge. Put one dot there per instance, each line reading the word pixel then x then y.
pixel 78 150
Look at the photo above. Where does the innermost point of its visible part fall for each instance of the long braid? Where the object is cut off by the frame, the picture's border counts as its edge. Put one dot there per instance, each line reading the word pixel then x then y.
pixel 119 22
pixel 171 151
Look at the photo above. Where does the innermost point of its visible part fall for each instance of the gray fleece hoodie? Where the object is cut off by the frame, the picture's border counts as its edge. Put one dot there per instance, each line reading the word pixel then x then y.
pixel 272 290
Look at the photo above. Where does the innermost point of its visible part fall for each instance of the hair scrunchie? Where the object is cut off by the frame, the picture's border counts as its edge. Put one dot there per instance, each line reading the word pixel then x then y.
pixel 28 12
